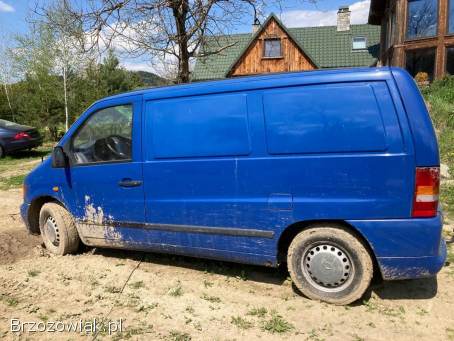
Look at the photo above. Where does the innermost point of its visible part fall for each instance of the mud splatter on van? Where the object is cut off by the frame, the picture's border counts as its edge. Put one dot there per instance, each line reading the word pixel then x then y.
pixel 95 225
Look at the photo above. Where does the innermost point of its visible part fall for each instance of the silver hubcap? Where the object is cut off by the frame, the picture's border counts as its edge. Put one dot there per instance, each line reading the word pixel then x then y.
pixel 327 267
pixel 51 231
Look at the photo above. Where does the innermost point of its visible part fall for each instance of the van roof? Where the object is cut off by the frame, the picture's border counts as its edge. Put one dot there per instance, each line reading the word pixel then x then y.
pixel 249 79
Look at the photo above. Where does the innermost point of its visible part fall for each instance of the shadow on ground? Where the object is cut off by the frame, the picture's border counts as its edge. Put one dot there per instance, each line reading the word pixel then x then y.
pixel 28 154
pixel 262 274
pixel 416 289
pixel 412 289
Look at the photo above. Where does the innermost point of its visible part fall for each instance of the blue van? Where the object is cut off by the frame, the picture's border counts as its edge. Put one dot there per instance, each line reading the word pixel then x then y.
pixel 334 172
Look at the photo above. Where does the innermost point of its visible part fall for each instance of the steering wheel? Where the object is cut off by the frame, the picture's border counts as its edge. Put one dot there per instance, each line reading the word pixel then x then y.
pixel 116 145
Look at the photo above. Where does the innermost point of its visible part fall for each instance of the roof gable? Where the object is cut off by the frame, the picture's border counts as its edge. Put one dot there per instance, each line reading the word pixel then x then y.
pixel 259 33
pixel 327 47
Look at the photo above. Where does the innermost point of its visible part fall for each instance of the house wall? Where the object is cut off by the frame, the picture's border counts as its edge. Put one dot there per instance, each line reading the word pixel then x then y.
pixel 394 47
pixel 253 62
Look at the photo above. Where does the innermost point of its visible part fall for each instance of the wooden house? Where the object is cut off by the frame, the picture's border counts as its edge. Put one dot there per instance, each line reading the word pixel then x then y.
pixel 416 34
pixel 273 47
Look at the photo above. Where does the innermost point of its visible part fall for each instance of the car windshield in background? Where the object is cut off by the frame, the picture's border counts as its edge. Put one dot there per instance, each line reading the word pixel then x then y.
pixel 9 124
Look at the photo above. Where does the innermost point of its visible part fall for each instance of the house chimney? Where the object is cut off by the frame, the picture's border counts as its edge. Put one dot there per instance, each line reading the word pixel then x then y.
pixel 256 25
pixel 343 19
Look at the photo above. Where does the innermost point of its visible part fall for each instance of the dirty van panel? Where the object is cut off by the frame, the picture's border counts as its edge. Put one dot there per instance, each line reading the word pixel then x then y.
pixel 336 158
pixel 107 172
pixel 425 141
pixel 323 119
pixel 209 126
pixel 193 147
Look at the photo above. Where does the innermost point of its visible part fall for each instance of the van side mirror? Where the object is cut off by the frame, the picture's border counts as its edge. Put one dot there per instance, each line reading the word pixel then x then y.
pixel 59 158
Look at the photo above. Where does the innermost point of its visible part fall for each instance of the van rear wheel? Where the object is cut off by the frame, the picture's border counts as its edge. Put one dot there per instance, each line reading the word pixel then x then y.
pixel 328 263
pixel 58 229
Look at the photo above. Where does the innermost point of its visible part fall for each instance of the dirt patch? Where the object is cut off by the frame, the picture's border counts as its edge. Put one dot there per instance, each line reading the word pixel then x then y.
pixel 15 241
pixel 178 298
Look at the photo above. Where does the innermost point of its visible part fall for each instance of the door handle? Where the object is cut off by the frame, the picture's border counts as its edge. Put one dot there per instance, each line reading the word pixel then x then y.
pixel 129 183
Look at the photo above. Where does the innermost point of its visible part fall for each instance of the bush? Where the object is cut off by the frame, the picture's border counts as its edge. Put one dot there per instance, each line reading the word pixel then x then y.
pixel 422 78
pixel 440 99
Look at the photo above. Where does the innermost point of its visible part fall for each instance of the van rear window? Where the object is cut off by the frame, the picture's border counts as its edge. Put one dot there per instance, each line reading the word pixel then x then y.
pixel 202 126
pixel 323 119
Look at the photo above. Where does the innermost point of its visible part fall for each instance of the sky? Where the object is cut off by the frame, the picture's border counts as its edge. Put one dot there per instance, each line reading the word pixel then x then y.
pixel 294 13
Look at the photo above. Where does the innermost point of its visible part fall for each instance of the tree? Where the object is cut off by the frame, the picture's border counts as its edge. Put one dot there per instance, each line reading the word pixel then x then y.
pixel 169 31
pixel 40 98
pixel 57 83
pixel 6 73
pixel 69 58
pixel 115 79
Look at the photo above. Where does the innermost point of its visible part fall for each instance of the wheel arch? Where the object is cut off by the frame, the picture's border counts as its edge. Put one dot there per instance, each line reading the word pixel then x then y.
pixel 35 208
pixel 291 231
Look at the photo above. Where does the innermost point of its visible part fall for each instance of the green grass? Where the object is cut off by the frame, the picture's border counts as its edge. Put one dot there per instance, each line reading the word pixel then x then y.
pixel 137 285
pixel 447 197
pixel 12 181
pixel 277 324
pixel 19 161
pixel 241 323
pixel 450 333
pixel 440 97
pixel 212 299
pixel 450 257
pixel 9 300
pixel 33 273
pixel 176 291
pixel 175 335
pixel 25 156
pixel 113 289
pixel 259 312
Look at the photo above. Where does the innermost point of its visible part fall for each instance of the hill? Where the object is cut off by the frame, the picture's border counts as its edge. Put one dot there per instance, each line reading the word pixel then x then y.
pixel 150 79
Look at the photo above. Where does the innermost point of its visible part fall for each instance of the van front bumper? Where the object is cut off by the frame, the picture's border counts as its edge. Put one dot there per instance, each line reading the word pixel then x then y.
pixel 405 248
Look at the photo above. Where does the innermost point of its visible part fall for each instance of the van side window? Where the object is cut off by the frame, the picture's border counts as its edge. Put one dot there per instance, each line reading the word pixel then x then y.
pixel 105 136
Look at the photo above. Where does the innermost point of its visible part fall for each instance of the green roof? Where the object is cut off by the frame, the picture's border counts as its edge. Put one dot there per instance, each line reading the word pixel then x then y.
pixel 327 48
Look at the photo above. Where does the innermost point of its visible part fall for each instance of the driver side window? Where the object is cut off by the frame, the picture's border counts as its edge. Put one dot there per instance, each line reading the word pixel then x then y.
pixel 105 136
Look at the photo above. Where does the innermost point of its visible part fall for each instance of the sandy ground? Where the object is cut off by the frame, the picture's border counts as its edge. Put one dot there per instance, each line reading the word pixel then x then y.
pixel 179 298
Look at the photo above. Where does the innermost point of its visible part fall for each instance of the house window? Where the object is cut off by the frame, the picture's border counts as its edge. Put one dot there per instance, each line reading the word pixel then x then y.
pixel 422 18
pixel 359 43
pixel 421 60
pixel 450 60
pixel 272 48
pixel 451 17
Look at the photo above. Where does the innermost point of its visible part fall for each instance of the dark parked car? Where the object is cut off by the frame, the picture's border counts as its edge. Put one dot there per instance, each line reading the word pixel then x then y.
pixel 14 137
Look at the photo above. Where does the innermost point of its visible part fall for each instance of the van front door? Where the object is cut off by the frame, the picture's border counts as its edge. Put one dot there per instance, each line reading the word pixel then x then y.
pixel 106 172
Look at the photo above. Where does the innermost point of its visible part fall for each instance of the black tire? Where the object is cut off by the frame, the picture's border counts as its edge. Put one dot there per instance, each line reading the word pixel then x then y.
pixel 64 239
pixel 2 152
pixel 335 254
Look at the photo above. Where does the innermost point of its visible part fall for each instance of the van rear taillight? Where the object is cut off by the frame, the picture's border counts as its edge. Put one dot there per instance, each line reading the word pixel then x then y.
pixel 427 184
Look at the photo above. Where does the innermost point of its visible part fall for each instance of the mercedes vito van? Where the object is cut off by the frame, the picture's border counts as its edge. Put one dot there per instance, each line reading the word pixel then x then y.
pixel 335 173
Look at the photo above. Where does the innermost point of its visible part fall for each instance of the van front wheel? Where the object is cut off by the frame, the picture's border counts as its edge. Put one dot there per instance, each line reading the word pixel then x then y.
pixel 58 229
pixel 328 263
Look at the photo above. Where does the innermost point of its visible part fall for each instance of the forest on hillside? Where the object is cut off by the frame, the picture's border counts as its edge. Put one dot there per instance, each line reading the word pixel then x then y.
pixel 48 83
